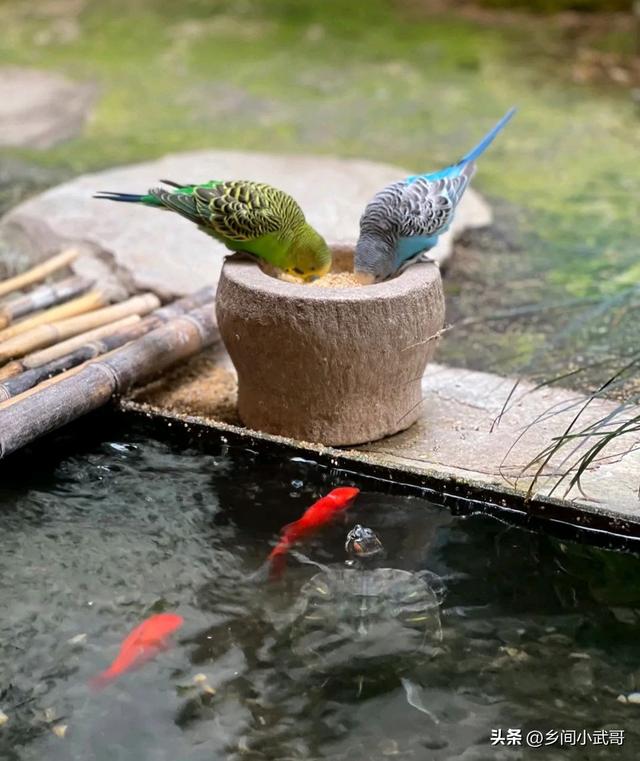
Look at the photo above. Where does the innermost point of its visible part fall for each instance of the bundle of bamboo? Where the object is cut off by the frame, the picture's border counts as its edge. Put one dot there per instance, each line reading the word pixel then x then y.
pixel 64 351
pixel 39 273
pixel 41 298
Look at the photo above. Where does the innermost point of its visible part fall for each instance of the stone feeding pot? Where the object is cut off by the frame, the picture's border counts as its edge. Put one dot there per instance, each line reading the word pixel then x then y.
pixel 335 366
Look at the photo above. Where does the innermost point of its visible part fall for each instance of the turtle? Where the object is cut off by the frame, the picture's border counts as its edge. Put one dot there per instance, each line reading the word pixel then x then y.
pixel 357 620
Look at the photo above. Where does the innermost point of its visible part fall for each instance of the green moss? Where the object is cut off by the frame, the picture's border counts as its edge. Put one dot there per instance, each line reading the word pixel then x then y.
pixel 555 6
pixel 376 82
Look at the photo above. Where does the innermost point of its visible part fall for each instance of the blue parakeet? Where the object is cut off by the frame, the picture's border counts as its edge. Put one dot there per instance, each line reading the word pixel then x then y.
pixel 404 220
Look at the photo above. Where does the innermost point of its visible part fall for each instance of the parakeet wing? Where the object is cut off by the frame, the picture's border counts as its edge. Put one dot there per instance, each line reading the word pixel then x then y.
pixel 236 210
pixel 428 206
pixel 242 211
pixel 181 202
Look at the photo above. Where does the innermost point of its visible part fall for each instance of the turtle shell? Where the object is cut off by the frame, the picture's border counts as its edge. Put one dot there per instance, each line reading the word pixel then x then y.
pixel 349 617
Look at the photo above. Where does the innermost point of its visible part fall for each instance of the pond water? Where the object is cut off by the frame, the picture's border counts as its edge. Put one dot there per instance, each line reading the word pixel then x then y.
pixel 538 633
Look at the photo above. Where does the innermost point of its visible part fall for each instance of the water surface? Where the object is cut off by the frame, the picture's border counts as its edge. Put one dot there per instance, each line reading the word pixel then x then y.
pixel 538 633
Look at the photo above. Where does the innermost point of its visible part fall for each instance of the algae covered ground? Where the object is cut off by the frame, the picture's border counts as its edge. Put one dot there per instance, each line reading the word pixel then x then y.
pixel 550 287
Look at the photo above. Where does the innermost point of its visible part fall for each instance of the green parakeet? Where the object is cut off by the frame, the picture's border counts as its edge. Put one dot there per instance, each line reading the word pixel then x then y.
pixel 245 216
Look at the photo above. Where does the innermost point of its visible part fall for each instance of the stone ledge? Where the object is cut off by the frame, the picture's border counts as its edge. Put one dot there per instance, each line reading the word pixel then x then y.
pixel 460 438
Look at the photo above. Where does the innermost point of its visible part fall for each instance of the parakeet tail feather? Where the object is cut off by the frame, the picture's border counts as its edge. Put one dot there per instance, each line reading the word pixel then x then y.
pixel 465 165
pixel 487 139
pixel 128 197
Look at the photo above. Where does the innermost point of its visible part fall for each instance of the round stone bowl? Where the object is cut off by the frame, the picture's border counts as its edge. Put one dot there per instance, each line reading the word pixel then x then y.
pixel 335 366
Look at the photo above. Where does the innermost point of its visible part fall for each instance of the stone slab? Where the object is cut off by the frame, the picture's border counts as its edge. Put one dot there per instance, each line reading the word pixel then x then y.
pixel 130 248
pixel 41 108
pixel 463 435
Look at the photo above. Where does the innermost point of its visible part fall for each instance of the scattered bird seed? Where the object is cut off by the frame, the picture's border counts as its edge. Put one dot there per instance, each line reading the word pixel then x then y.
pixel 337 280
pixel 513 652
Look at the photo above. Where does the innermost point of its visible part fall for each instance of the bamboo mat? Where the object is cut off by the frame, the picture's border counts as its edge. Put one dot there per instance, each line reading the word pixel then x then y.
pixel 65 350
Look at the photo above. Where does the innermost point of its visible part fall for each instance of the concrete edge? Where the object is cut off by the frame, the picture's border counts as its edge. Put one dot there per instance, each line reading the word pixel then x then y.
pixel 457 492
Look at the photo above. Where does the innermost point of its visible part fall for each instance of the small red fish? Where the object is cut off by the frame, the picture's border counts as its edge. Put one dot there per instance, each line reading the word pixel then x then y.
pixel 319 514
pixel 145 641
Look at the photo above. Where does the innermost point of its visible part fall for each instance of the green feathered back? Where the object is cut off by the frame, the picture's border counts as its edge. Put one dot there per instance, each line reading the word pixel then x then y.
pixel 249 216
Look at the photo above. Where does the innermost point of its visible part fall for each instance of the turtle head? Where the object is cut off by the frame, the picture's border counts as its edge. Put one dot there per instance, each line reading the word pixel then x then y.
pixel 362 543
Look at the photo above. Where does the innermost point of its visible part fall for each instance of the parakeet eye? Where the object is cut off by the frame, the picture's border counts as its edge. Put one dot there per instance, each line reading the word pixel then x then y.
pixel 298 271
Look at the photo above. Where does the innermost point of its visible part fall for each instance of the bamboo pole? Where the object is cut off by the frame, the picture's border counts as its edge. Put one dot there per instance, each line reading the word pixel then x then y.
pixel 43 297
pixel 39 272
pixel 81 305
pixel 71 345
pixel 90 350
pixel 91 385
pixel 45 335
pixel 11 369
pixel 187 303
pixel 58 350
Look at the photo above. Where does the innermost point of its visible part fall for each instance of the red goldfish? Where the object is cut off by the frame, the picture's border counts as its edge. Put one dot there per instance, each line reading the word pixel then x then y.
pixel 145 641
pixel 319 514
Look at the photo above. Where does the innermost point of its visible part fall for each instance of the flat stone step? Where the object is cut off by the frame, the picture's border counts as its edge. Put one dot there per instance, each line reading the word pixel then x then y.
pixel 476 429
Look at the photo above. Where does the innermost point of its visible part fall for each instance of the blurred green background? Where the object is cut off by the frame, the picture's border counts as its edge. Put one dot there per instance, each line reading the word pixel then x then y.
pixel 549 289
